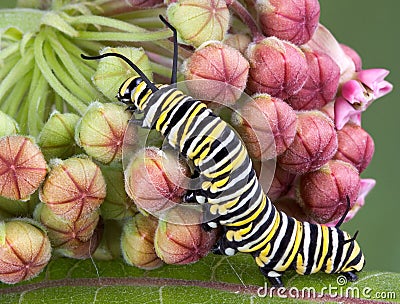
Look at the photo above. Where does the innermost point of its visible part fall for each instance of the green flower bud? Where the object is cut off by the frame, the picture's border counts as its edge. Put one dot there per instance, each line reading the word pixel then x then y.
pixel 137 242
pixel 101 131
pixel 117 204
pixel 24 250
pixel 8 126
pixel 57 136
pixel 112 71
pixel 74 188
pixel 198 21
pixel 22 167
pixel 65 234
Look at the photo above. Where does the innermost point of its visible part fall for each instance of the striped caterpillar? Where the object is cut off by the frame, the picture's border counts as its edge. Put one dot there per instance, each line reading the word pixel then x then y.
pixel 229 189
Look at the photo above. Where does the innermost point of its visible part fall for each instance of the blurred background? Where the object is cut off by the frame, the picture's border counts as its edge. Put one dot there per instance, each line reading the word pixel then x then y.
pixel 371 28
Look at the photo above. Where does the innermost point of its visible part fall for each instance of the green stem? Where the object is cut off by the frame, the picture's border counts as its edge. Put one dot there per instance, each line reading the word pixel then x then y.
pixel 21 68
pixel 4 53
pixel 144 13
pixel 8 65
pixel 70 66
pixel 59 105
pixel 37 93
pixel 160 69
pixel 115 36
pixel 15 98
pixel 71 99
pixel 104 21
pixel 63 74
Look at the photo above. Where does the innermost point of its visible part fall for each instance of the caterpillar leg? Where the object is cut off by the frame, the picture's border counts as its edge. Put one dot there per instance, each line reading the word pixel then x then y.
pixel 350 276
pixel 273 277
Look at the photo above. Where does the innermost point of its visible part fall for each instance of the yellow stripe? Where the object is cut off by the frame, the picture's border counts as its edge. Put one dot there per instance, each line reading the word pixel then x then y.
pixel 325 245
pixel 126 85
pixel 259 262
pixel 264 253
pixel 172 97
pixel 295 248
pixel 251 218
pixel 219 184
pixel 239 159
pixel 189 122
pixel 300 268
pixel 238 235
pixel 269 236
pixel 210 138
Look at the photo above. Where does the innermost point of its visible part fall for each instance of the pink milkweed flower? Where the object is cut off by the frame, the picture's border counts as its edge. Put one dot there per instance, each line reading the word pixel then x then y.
pixel 366 186
pixel 357 94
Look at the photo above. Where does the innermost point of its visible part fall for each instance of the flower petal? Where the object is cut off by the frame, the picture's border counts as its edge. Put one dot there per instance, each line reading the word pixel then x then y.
pixel 344 112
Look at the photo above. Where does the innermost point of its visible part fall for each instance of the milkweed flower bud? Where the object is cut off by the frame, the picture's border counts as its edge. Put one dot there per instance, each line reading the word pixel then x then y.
pixel 198 21
pixel 8 126
pixel 65 234
pixel 355 146
pixel 314 145
pixel 357 94
pixel 84 250
pixel 101 131
pixel 321 85
pixel 237 41
pixel 277 67
pixel 24 250
pixel 112 71
pixel 281 183
pixel 117 204
pixel 185 242
pixel 156 180
pixel 137 242
pixel 222 70
pixel 295 21
pixel 267 125
pixel 74 188
pixel 22 167
pixel 353 55
pixel 366 186
pixel 322 193
pixel 57 138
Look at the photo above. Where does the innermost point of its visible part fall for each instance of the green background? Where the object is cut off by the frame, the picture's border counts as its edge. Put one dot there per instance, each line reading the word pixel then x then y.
pixel 371 28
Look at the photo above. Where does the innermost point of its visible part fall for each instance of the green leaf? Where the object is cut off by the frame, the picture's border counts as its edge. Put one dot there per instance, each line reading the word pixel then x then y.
pixel 214 279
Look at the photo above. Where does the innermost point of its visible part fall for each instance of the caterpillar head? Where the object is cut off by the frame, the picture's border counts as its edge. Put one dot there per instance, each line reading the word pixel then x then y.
pixel 126 92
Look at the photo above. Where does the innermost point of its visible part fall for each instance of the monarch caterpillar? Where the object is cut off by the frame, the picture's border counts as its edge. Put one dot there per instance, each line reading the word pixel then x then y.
pixel 229 188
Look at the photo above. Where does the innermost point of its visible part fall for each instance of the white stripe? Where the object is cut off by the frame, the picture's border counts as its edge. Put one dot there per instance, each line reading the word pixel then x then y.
pixel 196 123
pixel 152 110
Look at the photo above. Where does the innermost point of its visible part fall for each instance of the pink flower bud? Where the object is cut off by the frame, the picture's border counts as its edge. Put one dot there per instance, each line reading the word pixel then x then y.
pixel 329 110
pixel 314 144
pixel 366 186
pixel 323 193
pixel 277 67
pixel 321 85
pixel 24 250
pixel 295 21
pixel 260 117
pixel 223 70
pixel 281 183
pixel 74 188
pixel 156 180
pixel 185 242
pixel 22 167
pixel 353 55
pixel 355 146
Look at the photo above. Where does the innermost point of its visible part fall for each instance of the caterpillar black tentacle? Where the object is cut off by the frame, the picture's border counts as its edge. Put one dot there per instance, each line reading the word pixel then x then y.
pixel 230 190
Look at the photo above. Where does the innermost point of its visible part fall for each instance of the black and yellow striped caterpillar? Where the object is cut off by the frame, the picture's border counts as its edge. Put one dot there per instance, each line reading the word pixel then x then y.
pixel 230 190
